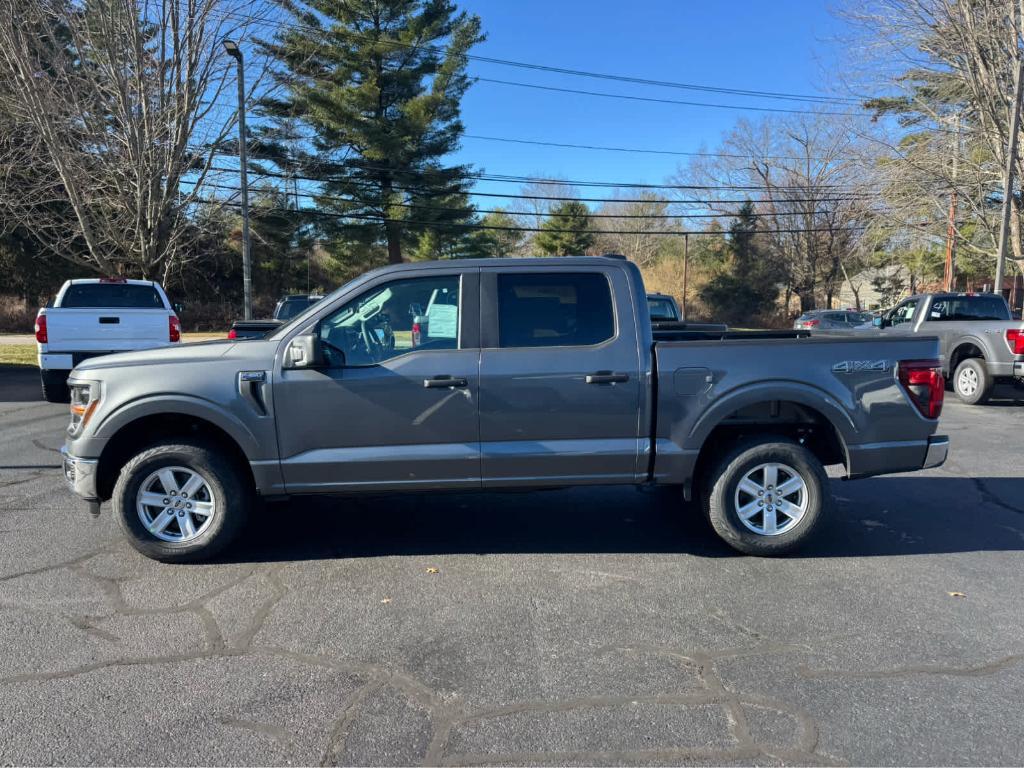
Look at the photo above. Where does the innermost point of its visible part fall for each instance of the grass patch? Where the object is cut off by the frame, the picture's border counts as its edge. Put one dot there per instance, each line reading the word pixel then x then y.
pixel 18 354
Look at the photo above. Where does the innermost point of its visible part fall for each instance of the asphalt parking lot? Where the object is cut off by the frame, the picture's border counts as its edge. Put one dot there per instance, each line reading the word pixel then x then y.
pixel 568 627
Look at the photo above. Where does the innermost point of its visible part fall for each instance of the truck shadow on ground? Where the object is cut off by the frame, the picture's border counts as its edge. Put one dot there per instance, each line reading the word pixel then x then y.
pixel 20 384
pixel 906 515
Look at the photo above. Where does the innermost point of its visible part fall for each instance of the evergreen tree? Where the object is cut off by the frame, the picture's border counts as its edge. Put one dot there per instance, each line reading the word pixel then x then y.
pixel 567 232
pixel 379 82
pixel 499 235
pixel 746 290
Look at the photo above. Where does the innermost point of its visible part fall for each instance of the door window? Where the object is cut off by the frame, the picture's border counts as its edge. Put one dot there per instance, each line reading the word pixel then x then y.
pixel 393 319
pixel 904 313
pixel 554 309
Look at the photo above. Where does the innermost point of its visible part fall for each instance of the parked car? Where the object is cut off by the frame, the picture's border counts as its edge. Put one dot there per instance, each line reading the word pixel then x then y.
pixel 287 308
pixel 663 308
pixel 94 317
pixel 552 377
pixel 979 341
pixel 831 320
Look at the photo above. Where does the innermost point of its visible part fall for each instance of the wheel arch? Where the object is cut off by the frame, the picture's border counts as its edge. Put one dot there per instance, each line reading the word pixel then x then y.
pixel 133 433
pixel 964 348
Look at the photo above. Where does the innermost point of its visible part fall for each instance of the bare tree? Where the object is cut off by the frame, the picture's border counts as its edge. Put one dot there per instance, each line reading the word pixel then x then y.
pixel 643 214
pixel 805 182
pixel 945 68
pixel 119 109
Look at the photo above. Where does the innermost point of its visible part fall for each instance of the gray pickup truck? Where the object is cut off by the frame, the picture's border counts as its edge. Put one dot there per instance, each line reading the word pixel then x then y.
pixel 979 342
pixel 537 373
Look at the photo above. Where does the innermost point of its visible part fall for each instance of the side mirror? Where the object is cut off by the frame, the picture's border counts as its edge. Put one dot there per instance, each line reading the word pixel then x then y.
pixel 878 322
pixel 303 352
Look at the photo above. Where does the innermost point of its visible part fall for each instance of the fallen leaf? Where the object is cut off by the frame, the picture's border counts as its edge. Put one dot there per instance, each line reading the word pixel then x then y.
pixel 956 594
pixel 385 600
pixel 432 570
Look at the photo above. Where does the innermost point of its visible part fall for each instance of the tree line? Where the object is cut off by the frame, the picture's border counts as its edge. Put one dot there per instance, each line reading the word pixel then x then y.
pixel 117 139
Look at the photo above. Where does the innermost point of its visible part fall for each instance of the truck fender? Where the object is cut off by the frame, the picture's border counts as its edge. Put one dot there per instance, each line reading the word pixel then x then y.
pixel 767 391
pixel 985 345
pixel 185 405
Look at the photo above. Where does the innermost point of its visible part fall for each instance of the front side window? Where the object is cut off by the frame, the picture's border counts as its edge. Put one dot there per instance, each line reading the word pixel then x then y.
pixel 393 319
pixel 904 313
pixel 554 309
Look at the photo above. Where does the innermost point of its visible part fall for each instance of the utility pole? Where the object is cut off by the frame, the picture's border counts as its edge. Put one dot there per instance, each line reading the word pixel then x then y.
pixel 1011 158
pixel 236 53
pixel 686 261
pixel 950 273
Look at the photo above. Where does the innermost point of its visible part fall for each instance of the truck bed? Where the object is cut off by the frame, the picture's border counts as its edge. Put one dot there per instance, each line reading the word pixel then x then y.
pixel 848 383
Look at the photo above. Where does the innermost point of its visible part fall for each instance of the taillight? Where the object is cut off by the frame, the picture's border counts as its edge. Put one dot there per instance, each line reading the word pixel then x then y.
pixel 41 328
pixel 174 328
pixel 1015 340
pixel 923 381
pixel 811 323
pixel 416 332
pixel 232 334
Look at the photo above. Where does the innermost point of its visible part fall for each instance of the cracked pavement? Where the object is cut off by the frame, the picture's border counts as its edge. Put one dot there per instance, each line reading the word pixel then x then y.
pixel 600 626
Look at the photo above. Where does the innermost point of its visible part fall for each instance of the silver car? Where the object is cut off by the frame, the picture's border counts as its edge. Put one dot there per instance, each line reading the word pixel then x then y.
pixel 831 320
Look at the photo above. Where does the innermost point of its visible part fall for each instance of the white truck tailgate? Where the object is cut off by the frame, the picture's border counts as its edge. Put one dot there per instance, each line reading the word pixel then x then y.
pixel 103 330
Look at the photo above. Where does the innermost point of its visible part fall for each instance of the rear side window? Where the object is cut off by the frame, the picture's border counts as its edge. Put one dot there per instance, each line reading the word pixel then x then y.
pixel 661 309
pixel 554 309
pixel 111 296
pixel 954 308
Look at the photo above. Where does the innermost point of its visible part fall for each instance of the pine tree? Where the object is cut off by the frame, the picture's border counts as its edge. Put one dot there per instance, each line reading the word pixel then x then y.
pixel 567 232
pixel 747 289
pixel 379 82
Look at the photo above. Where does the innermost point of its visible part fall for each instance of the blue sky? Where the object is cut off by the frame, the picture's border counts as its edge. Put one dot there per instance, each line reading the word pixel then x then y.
pixel 786 46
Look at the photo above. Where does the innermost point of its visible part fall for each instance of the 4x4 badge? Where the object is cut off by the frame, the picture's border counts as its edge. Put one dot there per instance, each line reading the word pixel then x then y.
pixel 853 366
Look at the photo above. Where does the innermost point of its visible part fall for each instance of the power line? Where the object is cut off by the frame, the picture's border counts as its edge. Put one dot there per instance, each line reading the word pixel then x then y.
pixel 655 100
pixel 752 93
pixel 565 145
pixel 451 209
pixel 473 226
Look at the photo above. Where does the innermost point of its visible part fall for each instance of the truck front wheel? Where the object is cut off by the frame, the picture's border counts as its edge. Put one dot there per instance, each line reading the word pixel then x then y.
pixel 971 381
pixel 180 501
pixel 767 496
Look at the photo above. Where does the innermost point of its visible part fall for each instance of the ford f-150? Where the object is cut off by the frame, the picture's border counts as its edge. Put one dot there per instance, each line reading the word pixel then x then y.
pixel 540 373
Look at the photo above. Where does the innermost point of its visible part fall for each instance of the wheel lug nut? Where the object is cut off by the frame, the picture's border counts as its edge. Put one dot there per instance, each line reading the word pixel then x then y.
pixel 760 493
pixel 167 501
pixel 760 503
pixel 181 513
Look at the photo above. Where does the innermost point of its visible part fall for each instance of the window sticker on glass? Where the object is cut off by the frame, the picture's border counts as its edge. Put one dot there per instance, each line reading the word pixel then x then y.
pixel 443 321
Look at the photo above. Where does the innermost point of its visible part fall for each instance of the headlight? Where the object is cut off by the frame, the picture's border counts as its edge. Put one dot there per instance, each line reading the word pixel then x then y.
pixel 85 396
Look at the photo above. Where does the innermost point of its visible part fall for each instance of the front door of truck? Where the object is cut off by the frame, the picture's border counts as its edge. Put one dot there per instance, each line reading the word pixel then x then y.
pixel 395 404
pixel 560 378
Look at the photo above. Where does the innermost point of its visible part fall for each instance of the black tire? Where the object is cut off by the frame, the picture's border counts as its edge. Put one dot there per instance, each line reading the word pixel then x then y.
pixel 227 486
pixel 55 386
pixel 984 382
pixel 721 495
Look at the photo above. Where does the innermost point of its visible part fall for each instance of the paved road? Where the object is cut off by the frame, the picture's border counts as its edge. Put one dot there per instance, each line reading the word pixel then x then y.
pixel 576 627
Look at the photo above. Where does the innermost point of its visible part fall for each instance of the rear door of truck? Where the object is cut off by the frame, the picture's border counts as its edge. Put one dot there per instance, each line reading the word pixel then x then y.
pixel 560 376
pixel 108 317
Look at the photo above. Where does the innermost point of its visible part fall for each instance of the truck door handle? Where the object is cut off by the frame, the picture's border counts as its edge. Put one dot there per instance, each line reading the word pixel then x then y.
pixel 110 320
pixel 607 377
pixel 445 382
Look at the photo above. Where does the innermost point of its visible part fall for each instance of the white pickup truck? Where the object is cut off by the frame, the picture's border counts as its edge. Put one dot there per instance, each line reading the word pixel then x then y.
pixel 96 317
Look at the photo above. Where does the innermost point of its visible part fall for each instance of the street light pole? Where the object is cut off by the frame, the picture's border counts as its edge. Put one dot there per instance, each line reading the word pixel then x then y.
pixel 236 53
pixel 1011 158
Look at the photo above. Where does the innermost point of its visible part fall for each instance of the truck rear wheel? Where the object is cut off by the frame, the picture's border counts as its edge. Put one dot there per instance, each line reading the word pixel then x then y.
pixel 971 381
pixel 767 496
pixel 180 502
pixel 55 386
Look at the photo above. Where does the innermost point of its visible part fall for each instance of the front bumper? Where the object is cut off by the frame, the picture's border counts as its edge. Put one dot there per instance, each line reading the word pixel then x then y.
pixel 938 449
pixel 80 475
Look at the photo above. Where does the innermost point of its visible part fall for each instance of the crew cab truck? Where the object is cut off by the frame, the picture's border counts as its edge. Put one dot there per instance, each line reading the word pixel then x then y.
pixel 547 373
pixel 979 342
pixel 95 317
